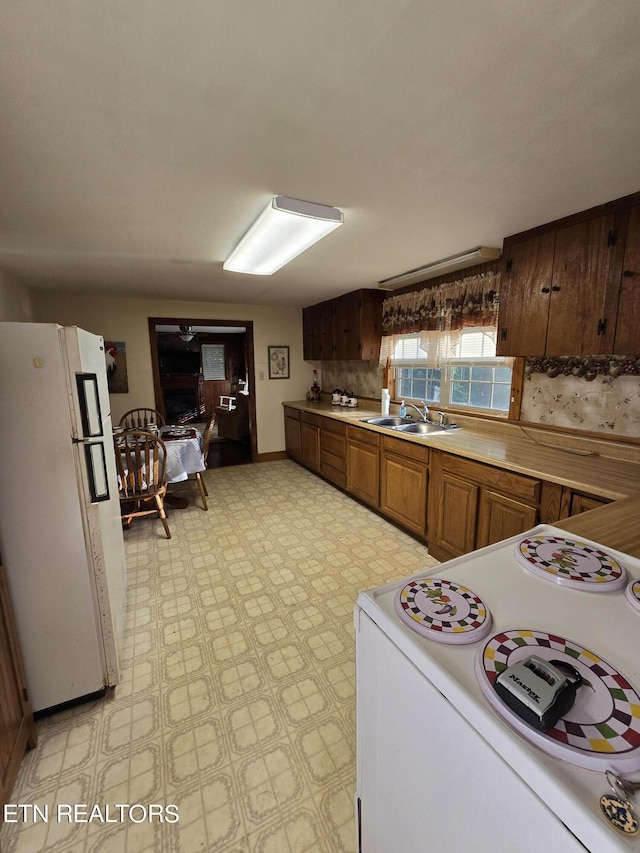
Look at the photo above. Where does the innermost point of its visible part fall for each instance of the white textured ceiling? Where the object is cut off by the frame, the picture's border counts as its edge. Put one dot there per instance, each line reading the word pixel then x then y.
pixel 140 138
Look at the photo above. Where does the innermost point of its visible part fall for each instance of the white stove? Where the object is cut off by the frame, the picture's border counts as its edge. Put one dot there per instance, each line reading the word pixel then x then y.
pixel 442 762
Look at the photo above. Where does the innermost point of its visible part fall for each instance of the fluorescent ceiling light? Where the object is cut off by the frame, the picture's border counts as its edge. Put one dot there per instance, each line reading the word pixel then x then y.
pixel 479 255
pixel 284 229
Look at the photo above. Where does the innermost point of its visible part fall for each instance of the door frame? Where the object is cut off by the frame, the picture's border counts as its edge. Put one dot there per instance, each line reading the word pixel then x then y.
pixel 249 347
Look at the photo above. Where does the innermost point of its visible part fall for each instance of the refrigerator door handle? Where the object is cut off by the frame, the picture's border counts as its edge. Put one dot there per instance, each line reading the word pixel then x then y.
pixel 97 471
pixel 89 401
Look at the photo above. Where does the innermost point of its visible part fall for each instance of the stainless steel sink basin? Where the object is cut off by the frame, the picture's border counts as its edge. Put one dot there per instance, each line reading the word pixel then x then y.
pixel 419 428
pixel 388 421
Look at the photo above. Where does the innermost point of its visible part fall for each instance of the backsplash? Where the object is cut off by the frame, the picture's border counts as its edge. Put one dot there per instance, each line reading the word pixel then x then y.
pixel 605 404
pixel 364 378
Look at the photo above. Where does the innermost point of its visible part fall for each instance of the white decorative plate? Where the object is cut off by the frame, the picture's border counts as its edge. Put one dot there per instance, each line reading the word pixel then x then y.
pixel 571 563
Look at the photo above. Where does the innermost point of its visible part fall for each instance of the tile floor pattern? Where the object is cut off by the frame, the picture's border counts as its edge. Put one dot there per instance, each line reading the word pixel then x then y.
pixel 238 699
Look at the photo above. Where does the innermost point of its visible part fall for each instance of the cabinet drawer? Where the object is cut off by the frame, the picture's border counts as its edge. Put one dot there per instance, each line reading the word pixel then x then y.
pixel 405 448
pixel 363 436
pixel 516 485
pixel 294 414
pixel 310 418
pixel 333 450
pixel 337 427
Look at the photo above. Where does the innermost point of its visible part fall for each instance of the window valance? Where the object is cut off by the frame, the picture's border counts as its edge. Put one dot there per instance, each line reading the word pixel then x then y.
pixel 472 301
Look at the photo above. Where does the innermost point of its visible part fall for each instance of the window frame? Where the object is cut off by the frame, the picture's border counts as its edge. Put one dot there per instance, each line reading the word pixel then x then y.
pixel 515 396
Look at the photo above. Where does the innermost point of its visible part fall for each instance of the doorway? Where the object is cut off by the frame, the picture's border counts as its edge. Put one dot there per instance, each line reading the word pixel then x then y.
pixel 205 367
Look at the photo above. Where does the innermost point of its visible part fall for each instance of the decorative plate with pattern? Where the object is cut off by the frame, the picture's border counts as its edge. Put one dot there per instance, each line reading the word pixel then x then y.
pixel 600 731
pixel 633 594
pixel 443 610
pixel 572 563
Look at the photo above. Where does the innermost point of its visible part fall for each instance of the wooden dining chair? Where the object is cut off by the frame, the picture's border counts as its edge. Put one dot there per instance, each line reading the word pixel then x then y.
pixel 141 459
pixel 196 480
pixel 141 418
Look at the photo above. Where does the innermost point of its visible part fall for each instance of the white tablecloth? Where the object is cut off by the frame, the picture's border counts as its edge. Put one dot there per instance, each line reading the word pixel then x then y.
pixel 184 457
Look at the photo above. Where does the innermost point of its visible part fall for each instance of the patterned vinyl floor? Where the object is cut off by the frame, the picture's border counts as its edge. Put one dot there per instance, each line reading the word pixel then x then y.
pixel 237 703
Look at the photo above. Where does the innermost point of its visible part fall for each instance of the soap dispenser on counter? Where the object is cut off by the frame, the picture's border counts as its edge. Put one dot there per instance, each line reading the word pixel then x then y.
pixel 403 410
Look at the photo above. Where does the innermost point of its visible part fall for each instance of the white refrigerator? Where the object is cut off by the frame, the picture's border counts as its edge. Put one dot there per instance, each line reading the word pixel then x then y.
pixel 61 537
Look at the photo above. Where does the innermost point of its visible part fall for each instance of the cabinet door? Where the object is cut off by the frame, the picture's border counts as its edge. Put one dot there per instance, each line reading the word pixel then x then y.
pixel 310 445
pixel 578 287
pixel 456 515
pixel 403 491
pixel 363 472
pixel 292 438
pixel 311 337
pixel 583 503
pixel 525 292
pixel 17 729
pixel 500 517
pixel 627 338
pixel 346 322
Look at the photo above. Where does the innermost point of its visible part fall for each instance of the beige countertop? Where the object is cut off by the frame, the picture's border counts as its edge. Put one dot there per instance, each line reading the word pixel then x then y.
pixel 510 447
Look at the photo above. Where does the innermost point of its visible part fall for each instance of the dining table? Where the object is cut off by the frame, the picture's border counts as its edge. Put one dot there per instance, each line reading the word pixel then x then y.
pixel 184 456
pixel 184 452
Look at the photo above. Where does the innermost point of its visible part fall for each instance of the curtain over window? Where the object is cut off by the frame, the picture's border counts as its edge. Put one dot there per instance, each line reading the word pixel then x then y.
pixel 440 313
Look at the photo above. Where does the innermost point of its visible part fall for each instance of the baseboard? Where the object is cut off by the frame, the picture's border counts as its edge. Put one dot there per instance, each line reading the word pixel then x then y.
pixel 272 457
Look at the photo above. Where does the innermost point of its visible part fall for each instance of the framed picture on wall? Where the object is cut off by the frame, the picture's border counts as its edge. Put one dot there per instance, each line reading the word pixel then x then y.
pixel 278 362
pixel 115 353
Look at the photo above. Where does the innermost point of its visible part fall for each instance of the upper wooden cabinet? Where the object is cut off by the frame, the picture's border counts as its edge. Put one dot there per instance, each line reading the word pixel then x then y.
pixel 344 329
pixel 627 335
pixel 571 287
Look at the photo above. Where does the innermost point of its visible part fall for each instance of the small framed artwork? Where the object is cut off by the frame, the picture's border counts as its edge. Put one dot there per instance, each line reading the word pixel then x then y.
pixel 115 353
pixel 278 362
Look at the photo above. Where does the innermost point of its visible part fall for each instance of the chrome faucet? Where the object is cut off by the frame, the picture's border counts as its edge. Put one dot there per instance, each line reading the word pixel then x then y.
pixel 424 414
pixel 441 417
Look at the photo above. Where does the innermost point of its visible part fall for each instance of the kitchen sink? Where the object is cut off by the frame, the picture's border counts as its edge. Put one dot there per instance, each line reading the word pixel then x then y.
pixel 419 428
pixel 409 425
pixel 389 421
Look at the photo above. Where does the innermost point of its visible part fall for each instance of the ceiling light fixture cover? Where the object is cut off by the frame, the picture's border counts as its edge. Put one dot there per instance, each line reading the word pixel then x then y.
pixel 479 255
pixel 284 229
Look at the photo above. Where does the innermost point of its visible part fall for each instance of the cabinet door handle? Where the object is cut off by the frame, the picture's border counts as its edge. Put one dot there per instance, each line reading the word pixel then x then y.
pixel 544 290
pixel 555 288
pixel 629 273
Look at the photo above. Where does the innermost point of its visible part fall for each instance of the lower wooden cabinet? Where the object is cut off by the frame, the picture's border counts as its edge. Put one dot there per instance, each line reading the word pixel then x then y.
pixel 454 504
pixel 404 479
pixel 500 517
pixel 574 502
pixel 310 441
pixel 363 465
pixel 453 512
pixel 333 452
pixel 292 433
pixel 472 505
pixel 17 729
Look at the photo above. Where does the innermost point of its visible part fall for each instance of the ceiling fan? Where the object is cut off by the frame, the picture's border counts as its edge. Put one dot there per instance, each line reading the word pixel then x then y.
pixel 186 334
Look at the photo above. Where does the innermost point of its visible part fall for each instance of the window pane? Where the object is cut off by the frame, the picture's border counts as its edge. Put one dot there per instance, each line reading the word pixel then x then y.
pixel 503 374
pixel 404 388
pixel 459 393
pixel 481 374
pixel 501 397
pixel 419 373
pixel 459 372
pixel 481 394
pixel 419 388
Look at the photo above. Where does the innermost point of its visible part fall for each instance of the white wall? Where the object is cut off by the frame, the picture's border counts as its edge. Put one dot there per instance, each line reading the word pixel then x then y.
pixel 16 305
pixel 118 319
